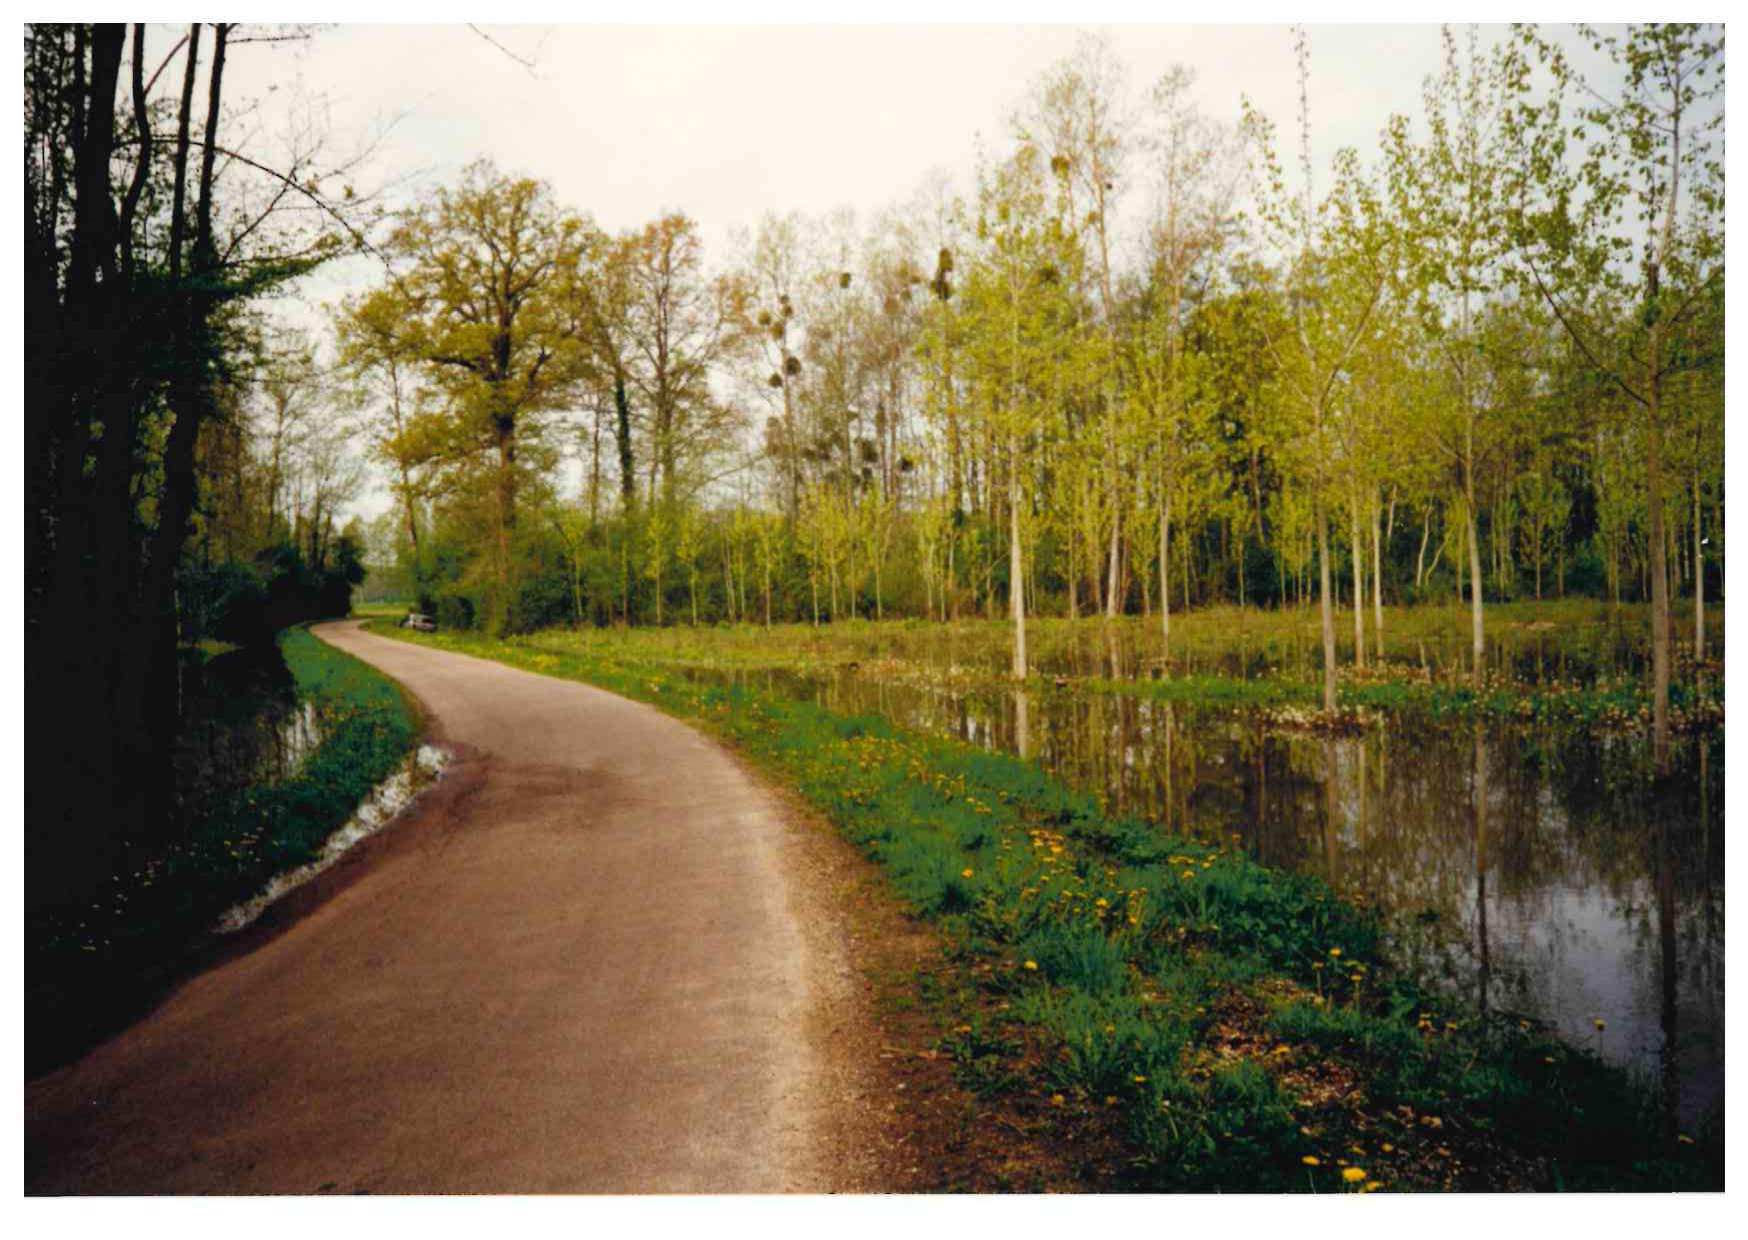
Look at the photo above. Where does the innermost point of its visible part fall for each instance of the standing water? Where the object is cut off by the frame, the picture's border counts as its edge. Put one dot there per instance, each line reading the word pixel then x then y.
pixel 1536 871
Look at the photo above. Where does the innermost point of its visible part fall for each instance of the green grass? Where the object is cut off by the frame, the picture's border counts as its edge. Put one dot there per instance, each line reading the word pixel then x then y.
pixel 1285 645
pixel 91 967
pixel 1149 983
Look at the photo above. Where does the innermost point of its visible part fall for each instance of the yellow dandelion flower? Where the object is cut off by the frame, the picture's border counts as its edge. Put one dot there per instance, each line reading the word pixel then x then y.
pixel 965 873
pixel 1336 952
pixel 1353 1175
pixel 1032 964
pixel 1057 1100
pixel 1311 1160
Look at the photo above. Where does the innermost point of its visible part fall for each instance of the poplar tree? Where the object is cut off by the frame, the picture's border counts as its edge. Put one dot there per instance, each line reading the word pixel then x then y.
pixel 1618 186
pixel 1337 265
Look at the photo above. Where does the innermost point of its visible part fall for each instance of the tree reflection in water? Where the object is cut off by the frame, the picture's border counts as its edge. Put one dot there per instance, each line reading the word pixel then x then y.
pixel 1538 870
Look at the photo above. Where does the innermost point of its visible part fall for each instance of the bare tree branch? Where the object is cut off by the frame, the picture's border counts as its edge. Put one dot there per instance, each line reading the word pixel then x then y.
pixel 526 63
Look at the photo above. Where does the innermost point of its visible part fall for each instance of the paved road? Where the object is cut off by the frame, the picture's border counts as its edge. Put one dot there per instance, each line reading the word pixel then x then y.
pixel 580 964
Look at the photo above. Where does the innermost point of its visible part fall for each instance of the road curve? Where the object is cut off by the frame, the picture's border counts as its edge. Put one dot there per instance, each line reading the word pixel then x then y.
pixel 580 964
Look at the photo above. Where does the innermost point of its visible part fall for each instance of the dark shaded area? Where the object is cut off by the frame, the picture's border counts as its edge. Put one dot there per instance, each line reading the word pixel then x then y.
pixel 268 759
pixel 238 724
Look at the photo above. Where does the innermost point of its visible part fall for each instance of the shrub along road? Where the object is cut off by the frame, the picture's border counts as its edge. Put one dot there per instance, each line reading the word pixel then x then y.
pixel 589 961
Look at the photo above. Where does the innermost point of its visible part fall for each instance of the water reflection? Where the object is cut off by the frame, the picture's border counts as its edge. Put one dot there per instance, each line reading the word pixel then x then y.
pixel 1538 871
pixel 240 724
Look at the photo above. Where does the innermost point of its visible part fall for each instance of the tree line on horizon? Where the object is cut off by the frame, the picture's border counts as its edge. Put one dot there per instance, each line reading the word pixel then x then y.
pixel 1137 368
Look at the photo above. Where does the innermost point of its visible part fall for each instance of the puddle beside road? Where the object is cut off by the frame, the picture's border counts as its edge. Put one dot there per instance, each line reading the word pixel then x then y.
pixel 378 809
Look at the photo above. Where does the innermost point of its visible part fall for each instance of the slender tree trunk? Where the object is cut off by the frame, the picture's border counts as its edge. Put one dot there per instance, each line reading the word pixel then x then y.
pixel 1073 579
pixel 1165 564
pixel 576 585
pixel 1420 560
pixel 1699 582
pixel 1325 605
pixel 1359 582
pixel 1378 573
pixel 1659 561
pixel 1016 573
pixel 1458 557
pixel 728 595
pixel 1114 594
pixel 1479 643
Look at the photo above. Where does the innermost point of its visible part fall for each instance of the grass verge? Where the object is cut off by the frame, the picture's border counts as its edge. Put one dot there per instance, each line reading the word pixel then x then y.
pixel 1188 1019
pixel 89 970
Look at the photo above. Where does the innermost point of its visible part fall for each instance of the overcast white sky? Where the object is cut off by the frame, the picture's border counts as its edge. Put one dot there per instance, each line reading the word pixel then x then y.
pixel 726 123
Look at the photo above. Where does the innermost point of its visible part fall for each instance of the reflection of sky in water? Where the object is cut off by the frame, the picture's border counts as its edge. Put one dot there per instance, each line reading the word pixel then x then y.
pixel 1573 852
pixel 1574 927
pixel 1583 955
pixel 241 724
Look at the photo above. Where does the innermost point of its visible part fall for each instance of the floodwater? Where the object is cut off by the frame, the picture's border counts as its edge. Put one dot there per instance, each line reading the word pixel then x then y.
pixel 1533 871
pixel 239 724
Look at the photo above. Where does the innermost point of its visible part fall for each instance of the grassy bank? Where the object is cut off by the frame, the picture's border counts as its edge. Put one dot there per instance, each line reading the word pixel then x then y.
pixel 1190 1019
pixel 90 969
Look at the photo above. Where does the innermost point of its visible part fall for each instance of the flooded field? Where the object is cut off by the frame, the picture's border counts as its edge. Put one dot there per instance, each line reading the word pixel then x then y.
pixel 1537 871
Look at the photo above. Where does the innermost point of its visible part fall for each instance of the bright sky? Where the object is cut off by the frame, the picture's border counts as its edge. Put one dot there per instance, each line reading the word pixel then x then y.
pixel 726 123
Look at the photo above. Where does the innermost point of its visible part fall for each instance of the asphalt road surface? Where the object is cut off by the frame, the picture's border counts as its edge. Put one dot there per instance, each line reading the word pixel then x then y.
pixel 588 960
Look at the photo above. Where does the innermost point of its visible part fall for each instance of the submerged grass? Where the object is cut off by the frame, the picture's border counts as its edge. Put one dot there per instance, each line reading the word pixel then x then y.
pixel 1237 658
pixel 1218 1024
pixel 89 968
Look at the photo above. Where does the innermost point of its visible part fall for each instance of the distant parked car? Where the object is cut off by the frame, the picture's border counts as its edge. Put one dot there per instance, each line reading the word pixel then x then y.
pixel 420 622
